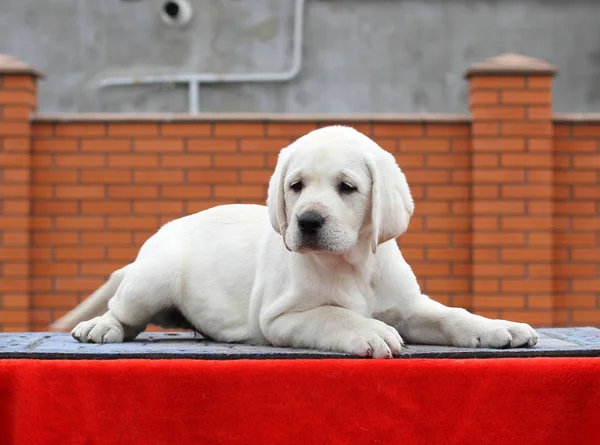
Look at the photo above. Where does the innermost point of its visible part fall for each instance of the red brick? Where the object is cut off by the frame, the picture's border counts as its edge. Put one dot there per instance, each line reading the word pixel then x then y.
pixel 459 130
pixel 496 82
pixel 161 207
pixel 213 176
pixel 587 162
pixel 133 161
pixel 79 253
pixel 486 192
pixel 527 128
pixel 42 130
pixel 78 129
pixel 526 97
pixel 55 176
pixel 497 207
pixel 586 192
pixel 54 300
pixel 576 177
pixel 185 160
pixel 526 223
pixel 102 238
pixel 586 130
pixel 79 222
pixel 263 145
pixel 183 192
pixel 55 238
pixel 485 129
pixel 526 254
pixel 13 160
pixel 14 301
pixel 229 129
pixel 498 175
pixel 16 144
pixel 184 130
pixel 14 129
pixel 539 113
pixel 158 145
pixel 484 98
pixel 501 113
pixel 18 207
pixel 108 145
pixel 408 161
pixel 133 129
pixel 17 175
pixel 17 98
pixel 132 191
pixel 429 177
pixel 480 160
pixel 449 223
pixel 107 176
pixel 18 81
pixel 81 161
pixel 501 302
pixel 239 191
pixel 77 284
pixel 447 192
pixel 527 160
pixel 256 176
pixel 52 268
pixel 499 239
pixel 158 177
pixel 586 316
pixel 238 161
pixel 575 145
pixel 398 129
pixel 424 146
pixel 527 191
pixel 110 207
pixel 212 145
pixel 16 112
pixel 79 191
pixel 541 82
pixel 132 222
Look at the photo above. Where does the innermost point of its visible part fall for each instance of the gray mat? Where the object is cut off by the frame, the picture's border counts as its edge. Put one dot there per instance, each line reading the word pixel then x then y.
pixel 565 342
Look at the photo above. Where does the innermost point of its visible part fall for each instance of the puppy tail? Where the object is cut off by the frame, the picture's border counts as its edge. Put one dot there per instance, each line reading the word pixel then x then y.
pixel 94 305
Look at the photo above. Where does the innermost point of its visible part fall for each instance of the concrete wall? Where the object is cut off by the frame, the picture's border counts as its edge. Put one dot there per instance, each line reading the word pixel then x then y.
pixel 360 56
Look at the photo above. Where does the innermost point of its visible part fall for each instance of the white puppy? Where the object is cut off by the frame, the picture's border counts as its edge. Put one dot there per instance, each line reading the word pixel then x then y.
pixel 318 267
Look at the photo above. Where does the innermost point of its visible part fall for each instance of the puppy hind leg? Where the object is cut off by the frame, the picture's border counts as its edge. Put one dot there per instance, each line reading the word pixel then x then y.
pixel 139 298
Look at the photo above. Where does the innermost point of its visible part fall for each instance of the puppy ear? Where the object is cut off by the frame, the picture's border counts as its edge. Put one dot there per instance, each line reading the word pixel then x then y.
pixel 276 194
pixel 392 204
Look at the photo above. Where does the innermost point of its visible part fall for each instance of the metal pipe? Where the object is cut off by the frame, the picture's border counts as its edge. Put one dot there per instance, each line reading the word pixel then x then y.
pixel 195 79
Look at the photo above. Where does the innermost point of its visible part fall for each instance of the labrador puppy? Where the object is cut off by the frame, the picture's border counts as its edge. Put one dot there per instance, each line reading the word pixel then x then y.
pixel 318 267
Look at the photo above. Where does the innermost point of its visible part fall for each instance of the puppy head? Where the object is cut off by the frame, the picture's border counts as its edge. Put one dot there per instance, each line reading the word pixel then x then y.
pixel 334 187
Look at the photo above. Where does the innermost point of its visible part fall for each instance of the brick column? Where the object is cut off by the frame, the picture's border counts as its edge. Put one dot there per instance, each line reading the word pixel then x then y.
pixel 18 99
pixel 510 98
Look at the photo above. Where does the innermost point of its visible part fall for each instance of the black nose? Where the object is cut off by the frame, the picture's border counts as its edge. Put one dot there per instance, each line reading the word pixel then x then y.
pixel 310 222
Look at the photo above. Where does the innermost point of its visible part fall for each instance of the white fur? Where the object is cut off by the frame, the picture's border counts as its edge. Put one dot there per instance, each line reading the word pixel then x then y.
pixel 245 273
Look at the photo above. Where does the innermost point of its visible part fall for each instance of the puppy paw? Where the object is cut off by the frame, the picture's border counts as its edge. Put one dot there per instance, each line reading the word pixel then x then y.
pixel 376 339
pixel 499 334
pixel 99 330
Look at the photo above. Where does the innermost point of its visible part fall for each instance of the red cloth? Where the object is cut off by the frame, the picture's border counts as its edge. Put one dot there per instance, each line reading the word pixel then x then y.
pixel 404 401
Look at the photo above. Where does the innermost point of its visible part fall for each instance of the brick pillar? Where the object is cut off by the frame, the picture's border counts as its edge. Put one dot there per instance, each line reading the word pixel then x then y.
pixel 510 98
pixel 18 99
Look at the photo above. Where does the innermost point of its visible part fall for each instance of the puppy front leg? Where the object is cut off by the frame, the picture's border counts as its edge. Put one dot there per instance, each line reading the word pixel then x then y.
pixel 429 322
pixel 330 328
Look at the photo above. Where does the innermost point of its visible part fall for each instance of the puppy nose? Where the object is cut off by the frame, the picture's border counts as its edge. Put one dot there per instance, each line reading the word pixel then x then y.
pixel 310 222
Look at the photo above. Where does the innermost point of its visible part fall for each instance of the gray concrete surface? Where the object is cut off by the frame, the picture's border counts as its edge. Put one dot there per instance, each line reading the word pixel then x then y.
pixel 564 342
pixel 360 56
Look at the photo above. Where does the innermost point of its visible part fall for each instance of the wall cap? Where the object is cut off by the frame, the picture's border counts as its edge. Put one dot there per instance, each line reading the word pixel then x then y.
pixel 12 65
pixel 251 117
pixel 511 64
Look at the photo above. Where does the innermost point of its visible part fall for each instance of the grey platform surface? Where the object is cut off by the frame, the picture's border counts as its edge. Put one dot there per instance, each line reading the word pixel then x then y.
pixel 564 342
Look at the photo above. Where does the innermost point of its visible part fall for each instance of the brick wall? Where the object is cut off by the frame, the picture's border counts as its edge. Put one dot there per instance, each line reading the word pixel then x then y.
pixel 506 198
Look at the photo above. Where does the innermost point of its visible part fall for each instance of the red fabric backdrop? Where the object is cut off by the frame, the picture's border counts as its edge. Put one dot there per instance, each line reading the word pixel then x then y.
pixel 405 401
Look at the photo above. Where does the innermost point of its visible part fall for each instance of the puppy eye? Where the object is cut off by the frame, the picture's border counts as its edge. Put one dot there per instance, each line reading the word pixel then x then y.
pixel 297 187
pixel 346 188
